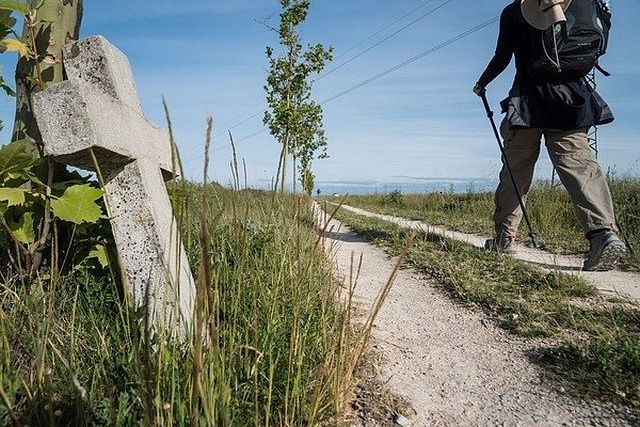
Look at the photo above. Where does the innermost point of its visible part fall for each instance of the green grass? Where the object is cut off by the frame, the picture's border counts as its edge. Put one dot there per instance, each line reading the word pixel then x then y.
pixel 594 341
pixel 598 366
pixel 281 351
pixel 549 208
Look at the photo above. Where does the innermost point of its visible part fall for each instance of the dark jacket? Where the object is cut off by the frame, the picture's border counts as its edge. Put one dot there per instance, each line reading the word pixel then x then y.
pixel 535 104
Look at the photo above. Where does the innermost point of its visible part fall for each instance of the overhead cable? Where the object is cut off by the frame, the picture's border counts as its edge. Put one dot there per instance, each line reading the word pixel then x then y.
pixel 415 21
pixel 420 18
pixel 423 4
pixel 410 61
pixel 389 70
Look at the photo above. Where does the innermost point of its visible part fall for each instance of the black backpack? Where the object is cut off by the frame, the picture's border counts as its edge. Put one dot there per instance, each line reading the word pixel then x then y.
pixel 570 50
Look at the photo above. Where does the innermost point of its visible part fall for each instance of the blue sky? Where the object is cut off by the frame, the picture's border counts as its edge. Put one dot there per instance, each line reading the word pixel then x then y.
pixel 417 123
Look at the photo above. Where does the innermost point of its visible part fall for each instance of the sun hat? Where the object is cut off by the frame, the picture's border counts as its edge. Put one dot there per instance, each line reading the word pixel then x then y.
pixel 542 14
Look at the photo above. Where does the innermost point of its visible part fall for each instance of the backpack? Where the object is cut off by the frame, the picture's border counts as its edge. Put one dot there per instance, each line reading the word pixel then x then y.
pixel 570 50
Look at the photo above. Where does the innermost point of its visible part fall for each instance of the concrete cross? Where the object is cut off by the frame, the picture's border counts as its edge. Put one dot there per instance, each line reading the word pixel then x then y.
pixel 97 110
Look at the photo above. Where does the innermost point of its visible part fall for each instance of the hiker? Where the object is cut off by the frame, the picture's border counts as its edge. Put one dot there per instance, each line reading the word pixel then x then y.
pixel 560 109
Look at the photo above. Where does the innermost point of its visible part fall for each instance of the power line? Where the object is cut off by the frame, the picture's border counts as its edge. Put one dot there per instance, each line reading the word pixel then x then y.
pixel 412 60
pixel 242 114
pixel 415 21
pixel 396 67
pixel 382 74
pixel 389 70
pixel 420 18
pixel 423 4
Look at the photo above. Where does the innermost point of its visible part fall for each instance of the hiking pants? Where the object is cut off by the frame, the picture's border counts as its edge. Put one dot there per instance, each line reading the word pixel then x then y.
pixel 576 166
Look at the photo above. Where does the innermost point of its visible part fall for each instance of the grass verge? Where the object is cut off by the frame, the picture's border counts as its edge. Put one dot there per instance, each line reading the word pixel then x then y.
pixel 281 348
pixel 549 208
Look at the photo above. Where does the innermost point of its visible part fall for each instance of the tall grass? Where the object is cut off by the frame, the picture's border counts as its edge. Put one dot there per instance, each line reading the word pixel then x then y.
pixel 549 207
pixel 280 349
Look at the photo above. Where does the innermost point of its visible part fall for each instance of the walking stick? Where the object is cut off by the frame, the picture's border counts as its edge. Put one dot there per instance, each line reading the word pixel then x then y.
pixel 532 234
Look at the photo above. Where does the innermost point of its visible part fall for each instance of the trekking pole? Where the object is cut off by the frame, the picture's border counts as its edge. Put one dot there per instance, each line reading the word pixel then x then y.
pixel 532 234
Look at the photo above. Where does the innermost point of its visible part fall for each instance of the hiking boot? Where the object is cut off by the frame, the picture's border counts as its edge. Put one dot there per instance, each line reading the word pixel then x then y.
pixel 500 244
pixel 606 251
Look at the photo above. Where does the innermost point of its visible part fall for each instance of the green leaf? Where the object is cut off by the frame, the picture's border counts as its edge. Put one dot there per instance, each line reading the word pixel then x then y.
pixel 77 204
pixel 3 209
pixel 33 178
pixel 99 252
pixel 17 156
pixel 7 22
pixel 6 28
pixel 23 231
pixel 15 180
pixel 15 6
pixel 13 196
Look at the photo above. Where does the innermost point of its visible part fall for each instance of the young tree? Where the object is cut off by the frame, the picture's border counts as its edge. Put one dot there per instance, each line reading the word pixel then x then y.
pixel 50 25
pixel 294 119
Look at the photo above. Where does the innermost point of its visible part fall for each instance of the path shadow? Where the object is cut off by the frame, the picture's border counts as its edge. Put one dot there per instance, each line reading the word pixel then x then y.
pixel 348 237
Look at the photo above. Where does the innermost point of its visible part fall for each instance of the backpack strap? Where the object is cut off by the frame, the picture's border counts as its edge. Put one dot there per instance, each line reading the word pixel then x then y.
pixel 603 71
pixel 604 12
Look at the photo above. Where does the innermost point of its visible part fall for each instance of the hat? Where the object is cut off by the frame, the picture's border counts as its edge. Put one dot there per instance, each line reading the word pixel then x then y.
pixel 542 14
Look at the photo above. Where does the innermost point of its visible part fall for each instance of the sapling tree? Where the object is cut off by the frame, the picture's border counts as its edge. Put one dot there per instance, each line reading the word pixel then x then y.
pixel 48 25
pixel 32 201
pixel 293 118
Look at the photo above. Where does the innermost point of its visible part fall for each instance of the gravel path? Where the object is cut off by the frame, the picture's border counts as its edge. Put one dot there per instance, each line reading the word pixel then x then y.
pixel 455 367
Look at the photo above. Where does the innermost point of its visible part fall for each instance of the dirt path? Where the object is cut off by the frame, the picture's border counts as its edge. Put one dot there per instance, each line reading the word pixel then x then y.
pixel 453 364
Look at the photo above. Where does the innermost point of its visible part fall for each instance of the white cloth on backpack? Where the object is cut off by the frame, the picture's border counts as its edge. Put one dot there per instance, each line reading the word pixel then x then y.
pixel 542 14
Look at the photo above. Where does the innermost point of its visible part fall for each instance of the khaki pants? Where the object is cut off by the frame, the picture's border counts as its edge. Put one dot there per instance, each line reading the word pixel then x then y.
pixel 576 166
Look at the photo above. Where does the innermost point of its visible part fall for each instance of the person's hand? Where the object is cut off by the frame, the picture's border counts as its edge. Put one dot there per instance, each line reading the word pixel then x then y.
pixel 479 90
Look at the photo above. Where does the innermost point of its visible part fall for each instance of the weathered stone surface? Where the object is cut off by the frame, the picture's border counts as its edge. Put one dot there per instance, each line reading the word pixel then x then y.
pixel 97 109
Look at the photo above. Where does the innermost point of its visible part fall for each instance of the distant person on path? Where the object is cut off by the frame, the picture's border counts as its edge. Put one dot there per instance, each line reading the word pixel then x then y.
pixel 562 111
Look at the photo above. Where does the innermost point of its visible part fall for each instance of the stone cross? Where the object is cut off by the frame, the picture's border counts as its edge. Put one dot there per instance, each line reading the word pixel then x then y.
pixel 97 111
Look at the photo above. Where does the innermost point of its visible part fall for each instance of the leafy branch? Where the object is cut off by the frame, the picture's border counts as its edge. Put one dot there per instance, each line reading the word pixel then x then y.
pixel 27 205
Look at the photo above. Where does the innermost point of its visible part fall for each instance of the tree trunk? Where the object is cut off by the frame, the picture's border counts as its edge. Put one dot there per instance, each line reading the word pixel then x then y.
pixel 293 171
pixel 57 22
pixel 285 156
